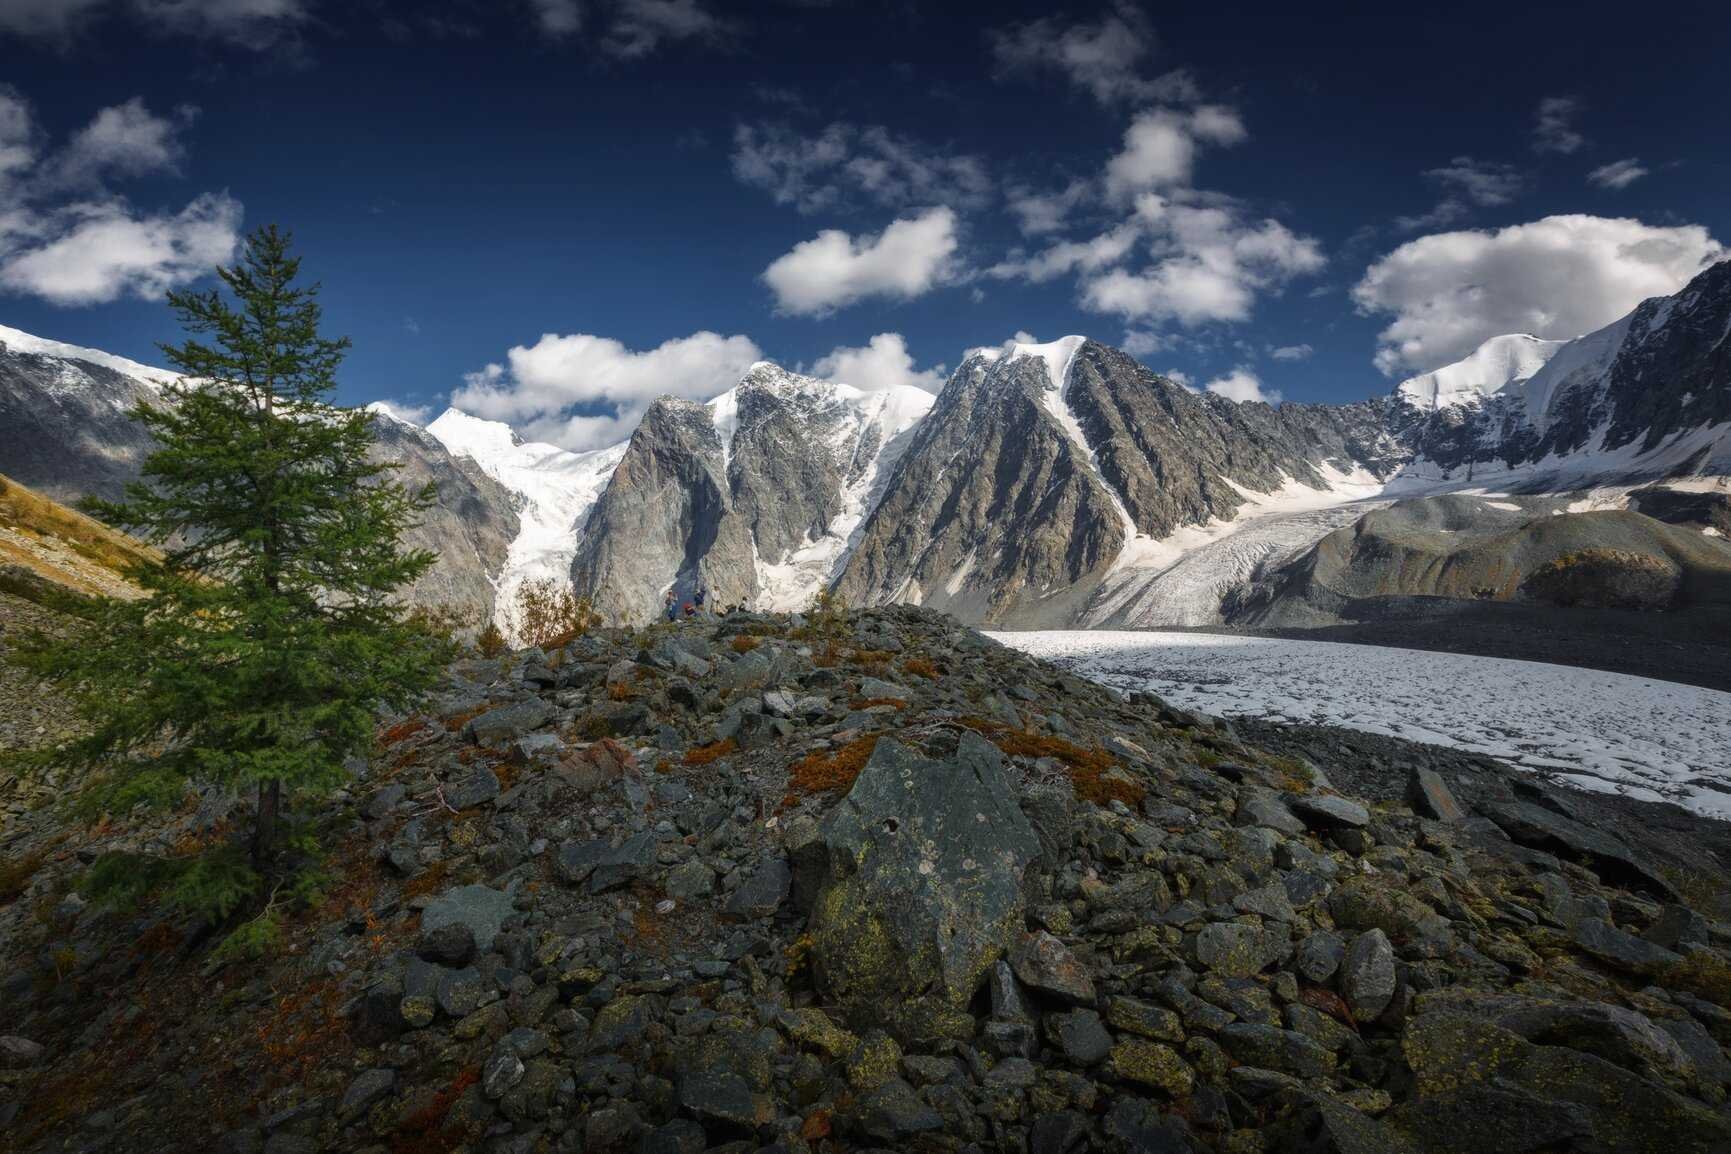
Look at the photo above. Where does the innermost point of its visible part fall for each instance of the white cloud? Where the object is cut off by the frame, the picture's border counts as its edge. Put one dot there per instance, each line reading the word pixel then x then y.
pixel 1291 352
pixel 882 363
pixel 1556 277
pixel 66 237
pixel 558 18
pixel 908 259
pixel 99 252
pixel 1210 264
pixel 124 140
pixel 1182 378
pixel 1447 211
pixel 640 26
pixel 608 385
pixel 1618 174
pixel 1042 212
pixel 1483 182
pixel 1142 342
pixel 1554 127
pixel 1102 57
pixel 1065 257
pixel 1242 385
pixel 1160 147
pixel 845 164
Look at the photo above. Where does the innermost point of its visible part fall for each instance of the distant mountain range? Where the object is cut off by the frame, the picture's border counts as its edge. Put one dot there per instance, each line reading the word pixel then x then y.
pixel 1045 485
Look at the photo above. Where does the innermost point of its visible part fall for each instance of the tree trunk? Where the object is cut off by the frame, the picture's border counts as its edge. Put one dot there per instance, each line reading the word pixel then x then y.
pixel 264 830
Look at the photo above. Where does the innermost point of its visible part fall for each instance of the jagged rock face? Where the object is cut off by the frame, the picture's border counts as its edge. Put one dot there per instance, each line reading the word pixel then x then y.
pixel 469 527
pixel 66 430
pixel 994 513
pixel 667 517
pixel 1175 455
pixel 1020 491
pixel 755 494
pixel 1616 393
pixel 783 479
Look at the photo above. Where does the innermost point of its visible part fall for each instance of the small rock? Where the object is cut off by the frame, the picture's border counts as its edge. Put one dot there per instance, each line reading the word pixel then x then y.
pixel 17 1052
pixel 368 1087
pixel 1152 1064
pixel 1079 1036
pixel 1431 797
pixel 1328 811
pixel 501 1072
pixel 761 894
pixel 1367 975
pixel 1044 963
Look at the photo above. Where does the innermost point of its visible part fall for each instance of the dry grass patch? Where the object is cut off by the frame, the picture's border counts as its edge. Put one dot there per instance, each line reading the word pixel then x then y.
pixel 1093 772
pixel 705 754
pixel 744 643
pixel 829 771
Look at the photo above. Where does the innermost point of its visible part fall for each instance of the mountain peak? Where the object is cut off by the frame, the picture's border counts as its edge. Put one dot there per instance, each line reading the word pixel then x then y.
pixel 1493 366
pixel 19 341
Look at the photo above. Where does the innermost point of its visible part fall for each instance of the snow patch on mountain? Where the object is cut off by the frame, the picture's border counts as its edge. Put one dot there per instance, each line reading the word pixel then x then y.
pixel 19 341
pixel 1490 368
pixel 554 488
pixel 865 434
pixel 1180 579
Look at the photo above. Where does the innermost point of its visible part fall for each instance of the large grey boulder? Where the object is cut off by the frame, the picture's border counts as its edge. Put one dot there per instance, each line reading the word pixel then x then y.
pixel 481 909
pixel 924 889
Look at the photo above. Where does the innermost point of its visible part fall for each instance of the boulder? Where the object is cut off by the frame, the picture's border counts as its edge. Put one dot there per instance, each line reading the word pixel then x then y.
pixel 498 726
pixel 1367 975
pixel 924 886
pixel 481 909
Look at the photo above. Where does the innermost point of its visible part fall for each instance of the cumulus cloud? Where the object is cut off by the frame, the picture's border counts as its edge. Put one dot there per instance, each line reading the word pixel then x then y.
pixel 1554 125
pixel 1038 213
pixel 1104 57
pixel 845 165
pixel 1242 385
pixel 67 237
pixel 99 252
pixel 1291 352
pixel 1618 174
pixel 1557 277
pixel 1160 147
pixel 908 259
pixel 1182 378
pixel 1065 257
pixel 1210 263
pixel 250 23
pixel 1142 342
pixel 583 391
pixel 882 363
pixel 1482 182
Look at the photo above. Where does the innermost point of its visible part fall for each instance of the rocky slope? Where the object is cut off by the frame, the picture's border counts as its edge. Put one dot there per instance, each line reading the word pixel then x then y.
pixel 1468 547
pixel 65 431
pixel 878 883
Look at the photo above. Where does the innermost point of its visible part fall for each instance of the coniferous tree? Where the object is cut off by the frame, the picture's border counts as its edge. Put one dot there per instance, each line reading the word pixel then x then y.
pixel 270 632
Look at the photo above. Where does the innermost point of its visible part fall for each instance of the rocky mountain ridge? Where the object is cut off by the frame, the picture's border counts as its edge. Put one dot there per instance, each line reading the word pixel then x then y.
pixel 1050 484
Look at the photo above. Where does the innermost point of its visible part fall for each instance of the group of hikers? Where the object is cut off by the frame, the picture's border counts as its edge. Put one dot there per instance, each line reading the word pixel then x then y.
pixel 692 608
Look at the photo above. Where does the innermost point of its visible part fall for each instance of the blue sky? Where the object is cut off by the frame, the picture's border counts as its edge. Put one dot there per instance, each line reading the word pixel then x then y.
pixel 1269 199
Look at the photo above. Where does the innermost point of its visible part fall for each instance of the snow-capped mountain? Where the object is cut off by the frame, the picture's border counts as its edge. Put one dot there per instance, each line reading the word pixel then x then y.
pixel 1047 484
pixel 756 495
pixel 66 431
pixel 1488 369
pixel 552 491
